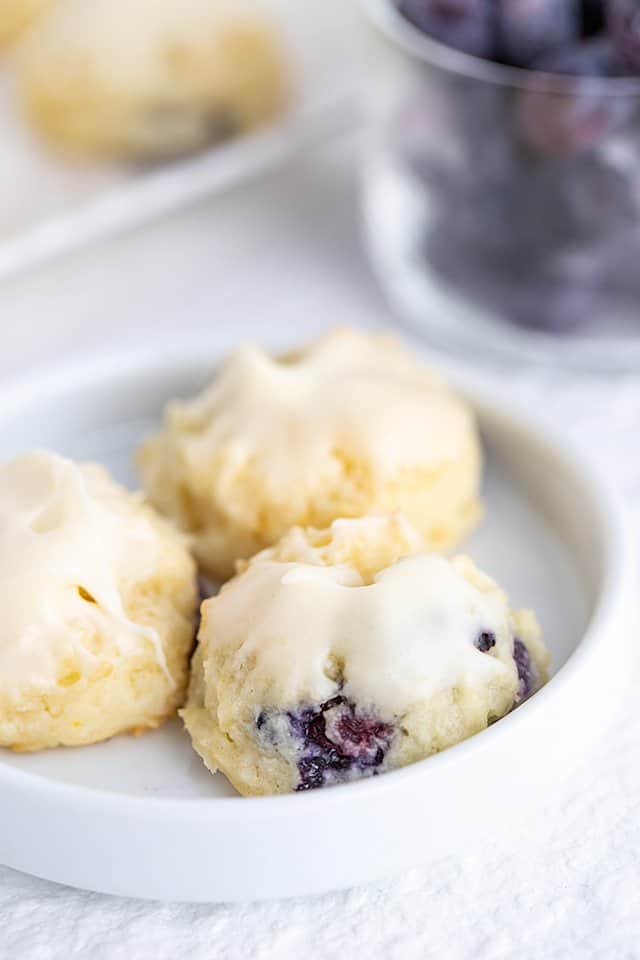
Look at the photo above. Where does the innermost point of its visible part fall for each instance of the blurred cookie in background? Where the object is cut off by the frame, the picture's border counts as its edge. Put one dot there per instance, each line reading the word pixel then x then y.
pixel 151 79
pixel 16 16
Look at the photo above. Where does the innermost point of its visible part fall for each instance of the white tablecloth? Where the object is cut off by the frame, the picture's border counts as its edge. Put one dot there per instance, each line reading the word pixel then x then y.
pixel 283 256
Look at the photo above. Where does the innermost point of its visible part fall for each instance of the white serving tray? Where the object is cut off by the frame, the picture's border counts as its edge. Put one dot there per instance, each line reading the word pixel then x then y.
pixel 49 204
pixel 142 817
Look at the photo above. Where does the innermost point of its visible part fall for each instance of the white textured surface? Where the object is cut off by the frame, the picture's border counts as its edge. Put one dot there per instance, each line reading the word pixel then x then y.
pixel 281 260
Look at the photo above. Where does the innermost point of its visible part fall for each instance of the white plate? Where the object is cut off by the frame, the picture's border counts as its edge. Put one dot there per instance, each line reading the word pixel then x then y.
pixel 50 205
pixel 141 816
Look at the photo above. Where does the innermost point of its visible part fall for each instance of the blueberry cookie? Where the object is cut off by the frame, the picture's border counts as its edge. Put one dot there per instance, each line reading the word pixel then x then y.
pixel 147 79
pixel 349 425
pixel 343 653
pixel 98 600
pixel 16 16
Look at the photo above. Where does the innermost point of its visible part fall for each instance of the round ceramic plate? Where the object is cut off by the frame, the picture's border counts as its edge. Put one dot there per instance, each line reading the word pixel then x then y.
pixel 142 817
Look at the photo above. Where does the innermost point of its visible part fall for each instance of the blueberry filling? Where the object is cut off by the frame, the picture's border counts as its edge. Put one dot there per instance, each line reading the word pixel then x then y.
pixel 485 641
pixel 337 741
pixel 526 670
pixel 334 741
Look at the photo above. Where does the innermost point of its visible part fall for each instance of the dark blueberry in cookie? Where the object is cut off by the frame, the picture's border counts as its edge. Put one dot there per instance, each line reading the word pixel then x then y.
pixel 485 641
pixel 623 22
pixel 316 771
pixel 361 737
pixel 335 740
pixel 526 670
pixel 528 28
pixel 262 719
pixel 559 122
pixel 465 25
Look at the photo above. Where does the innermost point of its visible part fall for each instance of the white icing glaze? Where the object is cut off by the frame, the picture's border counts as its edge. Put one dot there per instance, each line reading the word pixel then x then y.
pixel 402 638
pixel 353 394
pixel 65 527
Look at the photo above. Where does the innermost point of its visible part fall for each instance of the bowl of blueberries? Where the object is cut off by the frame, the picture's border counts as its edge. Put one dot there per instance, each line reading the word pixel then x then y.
pixel 502 186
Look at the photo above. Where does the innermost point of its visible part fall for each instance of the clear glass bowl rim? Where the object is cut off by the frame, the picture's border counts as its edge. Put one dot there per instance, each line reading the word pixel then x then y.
pixel 387 19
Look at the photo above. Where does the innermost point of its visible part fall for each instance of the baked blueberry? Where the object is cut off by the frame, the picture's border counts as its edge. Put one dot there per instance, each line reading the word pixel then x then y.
pixel 334 741
pixel 345 653
pixel 485 641
pixel 526 670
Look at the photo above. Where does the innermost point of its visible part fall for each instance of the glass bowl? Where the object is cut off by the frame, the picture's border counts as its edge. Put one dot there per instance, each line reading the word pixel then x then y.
pixel 501 205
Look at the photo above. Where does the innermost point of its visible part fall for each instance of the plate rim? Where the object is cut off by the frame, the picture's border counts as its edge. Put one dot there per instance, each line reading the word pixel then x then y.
pixel 87 369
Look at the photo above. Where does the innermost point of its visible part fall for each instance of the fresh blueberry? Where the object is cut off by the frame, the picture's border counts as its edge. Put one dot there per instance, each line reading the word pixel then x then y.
pixel 480 123
pixel 434 161
pixel 556 121
pixel 590 58
pixel 553 290
pixel 620 258
pixel 461 113
pixel 526 670
pixel 498 220
pixel 623 22
pixel 485 641
pixel 592 19
pixel 528 28
pixel 465 25
pixel 548 304
pixel 492 230
pixel 600 199
pixel 335 740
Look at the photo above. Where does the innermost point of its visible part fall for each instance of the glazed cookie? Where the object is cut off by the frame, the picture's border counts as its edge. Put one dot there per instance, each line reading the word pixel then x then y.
pixel 344 653
pixel 16 16
pixel 350 425
pixel 98 600
pixel 146 79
